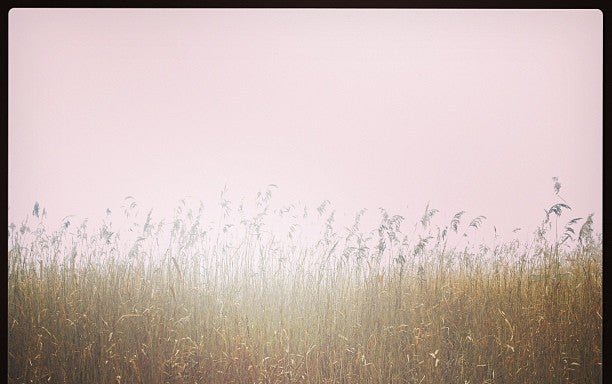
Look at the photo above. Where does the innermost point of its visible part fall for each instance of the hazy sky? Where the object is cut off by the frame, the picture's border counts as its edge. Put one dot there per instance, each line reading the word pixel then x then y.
pixel 470 110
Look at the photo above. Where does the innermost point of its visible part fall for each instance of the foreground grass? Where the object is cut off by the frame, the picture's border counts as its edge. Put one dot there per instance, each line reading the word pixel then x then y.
pixel 205 312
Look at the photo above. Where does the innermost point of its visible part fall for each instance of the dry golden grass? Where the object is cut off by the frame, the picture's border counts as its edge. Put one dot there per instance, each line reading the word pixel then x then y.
pixel 204 313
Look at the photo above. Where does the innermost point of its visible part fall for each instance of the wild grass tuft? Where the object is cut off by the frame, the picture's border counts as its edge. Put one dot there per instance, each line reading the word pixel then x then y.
pixel 237 302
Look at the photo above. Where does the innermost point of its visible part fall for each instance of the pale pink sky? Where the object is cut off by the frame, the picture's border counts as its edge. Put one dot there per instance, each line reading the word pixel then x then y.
pixel 470 110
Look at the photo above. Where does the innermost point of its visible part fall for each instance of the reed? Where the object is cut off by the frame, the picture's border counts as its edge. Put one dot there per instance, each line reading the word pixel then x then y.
pixel 239 303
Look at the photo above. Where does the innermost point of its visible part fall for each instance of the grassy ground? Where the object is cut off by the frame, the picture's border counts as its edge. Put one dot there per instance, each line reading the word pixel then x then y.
pixel 244 307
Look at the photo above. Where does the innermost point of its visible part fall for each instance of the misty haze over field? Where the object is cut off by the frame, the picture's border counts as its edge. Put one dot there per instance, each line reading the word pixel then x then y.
pixel 471 110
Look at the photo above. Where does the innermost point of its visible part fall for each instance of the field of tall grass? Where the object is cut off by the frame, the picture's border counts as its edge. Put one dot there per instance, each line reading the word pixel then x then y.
pixel 238 302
